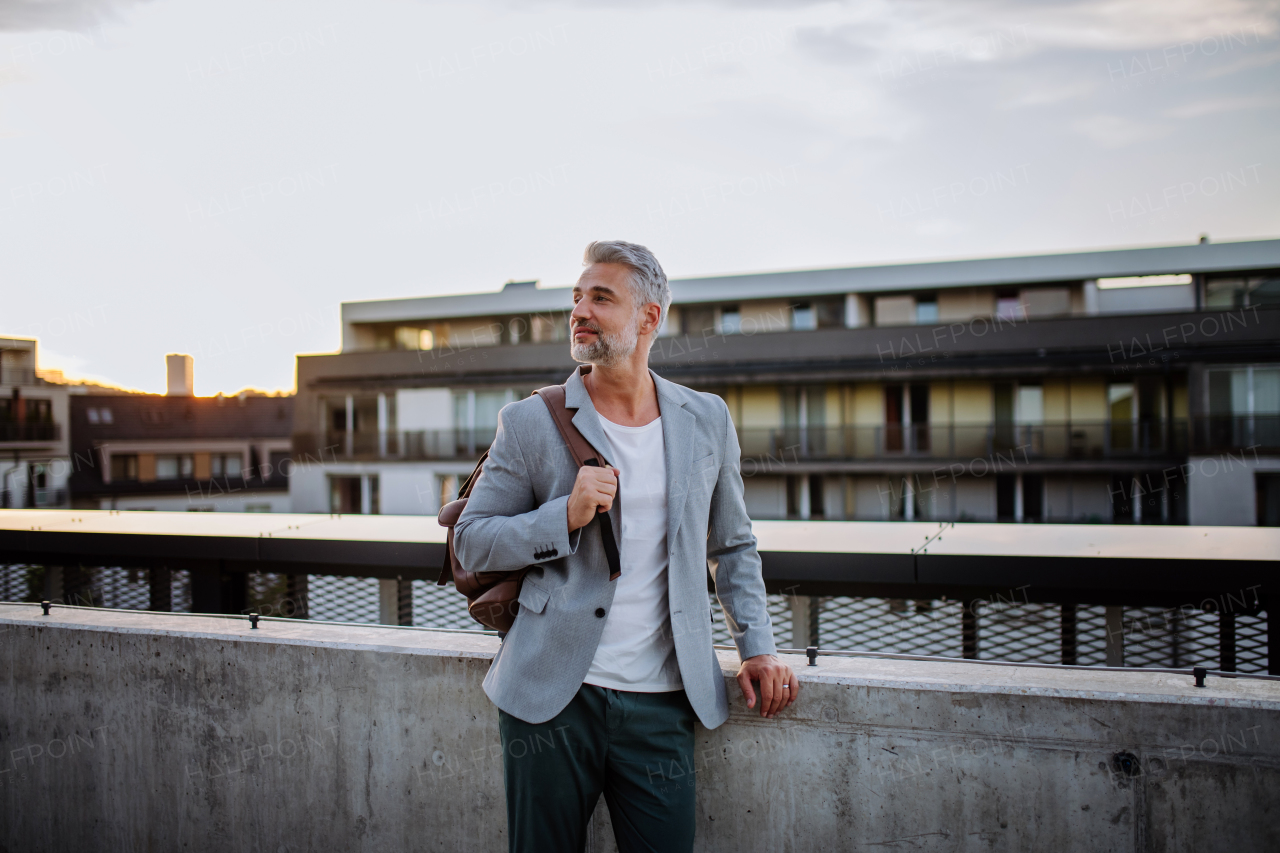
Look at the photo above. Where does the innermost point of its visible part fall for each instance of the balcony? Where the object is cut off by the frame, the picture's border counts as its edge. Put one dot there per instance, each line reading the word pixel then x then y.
pixel 404 445
pixel 1061 441
pixel 1071 440
pixel 12 432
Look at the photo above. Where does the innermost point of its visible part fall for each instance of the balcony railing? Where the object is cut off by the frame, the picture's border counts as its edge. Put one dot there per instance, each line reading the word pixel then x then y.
pixel 17 376
pixel 1069 440
pixel 12 431
pixel 409 445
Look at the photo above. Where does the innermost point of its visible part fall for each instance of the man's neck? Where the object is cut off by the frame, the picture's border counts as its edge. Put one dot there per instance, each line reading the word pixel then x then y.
pixel 625 394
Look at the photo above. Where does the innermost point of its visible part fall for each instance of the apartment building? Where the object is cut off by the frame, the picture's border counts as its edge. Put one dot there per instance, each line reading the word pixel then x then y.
pixel 34 442
pixel 1129 386
pixel 179 452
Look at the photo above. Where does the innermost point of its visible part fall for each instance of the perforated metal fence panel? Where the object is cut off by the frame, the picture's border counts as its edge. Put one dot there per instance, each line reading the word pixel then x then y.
pixel 343 599
pixel 268 595
pixel 1182 637
pixel 440 607
pixel 779 614
pixel 123 589
pixel 895 625
pixel 1008 631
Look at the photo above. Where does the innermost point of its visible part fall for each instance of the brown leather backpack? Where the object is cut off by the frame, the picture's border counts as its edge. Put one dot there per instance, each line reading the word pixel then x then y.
pixel 492 596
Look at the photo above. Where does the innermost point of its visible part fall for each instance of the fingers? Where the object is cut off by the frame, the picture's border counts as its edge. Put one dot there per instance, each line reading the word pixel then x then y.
pixel 768 690
pixel 795 688
pixel 744 680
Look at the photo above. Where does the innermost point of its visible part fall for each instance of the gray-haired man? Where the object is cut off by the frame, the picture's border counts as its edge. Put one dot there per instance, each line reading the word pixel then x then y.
pixel 599 682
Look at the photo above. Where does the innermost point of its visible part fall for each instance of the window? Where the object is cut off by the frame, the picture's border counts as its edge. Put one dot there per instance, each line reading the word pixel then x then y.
pixel 1123 412
pixel 177 467
pixel 39 411
pixel 830 313
pixel 448 484
pixel 226 465
pixel 1030 404
pixel 1008 306
pixel 105 414
pixel 1242 292
pixel 344 495
pixel 124 468
pixel 730 320
pixel 803 317
pixel 1268 497
pixel 281 463
pixel 408 337
pixel 927 310
pixel 92 416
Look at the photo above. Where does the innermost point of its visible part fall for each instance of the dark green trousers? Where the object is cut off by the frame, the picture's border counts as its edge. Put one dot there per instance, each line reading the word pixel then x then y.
pixel 635 748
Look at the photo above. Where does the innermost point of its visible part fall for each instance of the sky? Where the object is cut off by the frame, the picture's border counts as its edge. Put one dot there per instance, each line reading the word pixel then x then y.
pixel 216 178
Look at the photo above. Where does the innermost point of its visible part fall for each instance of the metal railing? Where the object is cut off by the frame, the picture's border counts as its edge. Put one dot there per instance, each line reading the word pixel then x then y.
pixel 1062 440
pixel 37 431
pixel 1066 440
pixel 1006 632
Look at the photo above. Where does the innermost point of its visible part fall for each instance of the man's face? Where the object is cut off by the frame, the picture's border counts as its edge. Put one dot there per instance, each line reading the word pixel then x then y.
pixel 604 325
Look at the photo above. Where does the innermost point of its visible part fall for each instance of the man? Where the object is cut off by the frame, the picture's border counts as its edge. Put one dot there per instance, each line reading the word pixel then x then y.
pixel 599 682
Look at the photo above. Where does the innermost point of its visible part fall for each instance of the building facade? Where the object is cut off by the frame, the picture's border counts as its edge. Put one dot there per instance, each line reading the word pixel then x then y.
pixel 34 440
pixel 1131 386
pixel 181 453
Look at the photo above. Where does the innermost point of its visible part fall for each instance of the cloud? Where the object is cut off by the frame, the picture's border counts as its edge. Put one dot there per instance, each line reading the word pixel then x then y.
pixel 1196 109
pixel 1111 131
pixel 19 15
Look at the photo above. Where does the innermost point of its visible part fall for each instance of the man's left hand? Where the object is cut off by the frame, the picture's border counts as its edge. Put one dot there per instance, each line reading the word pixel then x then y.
pixel 779 686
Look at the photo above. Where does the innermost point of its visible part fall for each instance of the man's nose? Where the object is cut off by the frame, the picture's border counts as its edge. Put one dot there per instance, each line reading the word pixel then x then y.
pixel 581 311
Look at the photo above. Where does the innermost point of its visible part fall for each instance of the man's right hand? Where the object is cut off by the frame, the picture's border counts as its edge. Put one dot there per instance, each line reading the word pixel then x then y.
pixel 592 493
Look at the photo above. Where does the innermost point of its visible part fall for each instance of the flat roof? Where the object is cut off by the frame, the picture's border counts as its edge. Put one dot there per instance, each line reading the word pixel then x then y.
pixel 520 298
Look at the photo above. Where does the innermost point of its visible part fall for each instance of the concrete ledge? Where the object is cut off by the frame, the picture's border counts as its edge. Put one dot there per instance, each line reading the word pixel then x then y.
pixel 130 731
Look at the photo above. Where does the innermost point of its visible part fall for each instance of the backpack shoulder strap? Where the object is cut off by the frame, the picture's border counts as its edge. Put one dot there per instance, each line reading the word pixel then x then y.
pixel 579 447
pixel 583 454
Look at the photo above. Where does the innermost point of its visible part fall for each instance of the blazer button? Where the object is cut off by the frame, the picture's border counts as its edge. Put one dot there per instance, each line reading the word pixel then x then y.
pixel 599 612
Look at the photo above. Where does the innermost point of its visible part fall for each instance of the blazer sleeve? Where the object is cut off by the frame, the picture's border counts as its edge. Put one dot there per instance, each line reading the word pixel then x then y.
pixel 503 528
pixel 732 556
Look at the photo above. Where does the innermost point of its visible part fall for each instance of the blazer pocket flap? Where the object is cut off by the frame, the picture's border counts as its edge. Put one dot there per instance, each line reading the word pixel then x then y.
pixel 533 597
pixel 704 462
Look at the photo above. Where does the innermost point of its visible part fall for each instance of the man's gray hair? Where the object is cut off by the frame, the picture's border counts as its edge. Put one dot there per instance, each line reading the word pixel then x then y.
pixel 648 281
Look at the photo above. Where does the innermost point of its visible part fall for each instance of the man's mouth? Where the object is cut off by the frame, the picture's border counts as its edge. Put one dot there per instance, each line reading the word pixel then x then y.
pixel 583 330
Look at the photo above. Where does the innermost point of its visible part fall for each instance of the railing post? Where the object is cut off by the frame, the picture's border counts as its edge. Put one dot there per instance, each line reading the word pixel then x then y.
pixel 388 601
pixel 1069 634
pixel 969 629
pixel 404 600
pixel 804 621
pixel 1227 641
pixel 1115 636
pixel 161 589
pixel 297 589
pixel 1271 604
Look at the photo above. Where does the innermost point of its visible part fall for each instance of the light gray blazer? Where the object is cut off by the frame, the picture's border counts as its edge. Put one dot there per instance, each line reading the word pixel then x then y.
pixel 517 517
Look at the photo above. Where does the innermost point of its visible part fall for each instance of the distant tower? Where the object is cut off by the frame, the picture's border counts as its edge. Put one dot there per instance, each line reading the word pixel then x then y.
pixel 181 373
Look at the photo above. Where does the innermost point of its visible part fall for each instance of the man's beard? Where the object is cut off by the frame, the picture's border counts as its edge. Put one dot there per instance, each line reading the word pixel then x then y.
pixel 607 351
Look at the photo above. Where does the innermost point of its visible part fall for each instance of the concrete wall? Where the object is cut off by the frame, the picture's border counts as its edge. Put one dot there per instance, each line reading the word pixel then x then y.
pixel 1222 489
pixel 126 731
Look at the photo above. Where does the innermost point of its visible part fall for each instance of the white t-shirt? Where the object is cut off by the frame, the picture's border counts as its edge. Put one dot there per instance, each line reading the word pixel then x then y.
pixel 636 650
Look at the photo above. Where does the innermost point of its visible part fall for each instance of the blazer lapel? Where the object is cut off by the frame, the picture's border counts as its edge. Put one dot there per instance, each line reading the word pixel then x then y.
pixel 678 427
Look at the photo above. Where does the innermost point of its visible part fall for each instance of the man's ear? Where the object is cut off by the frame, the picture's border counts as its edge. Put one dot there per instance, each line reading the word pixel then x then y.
pixel 652 318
